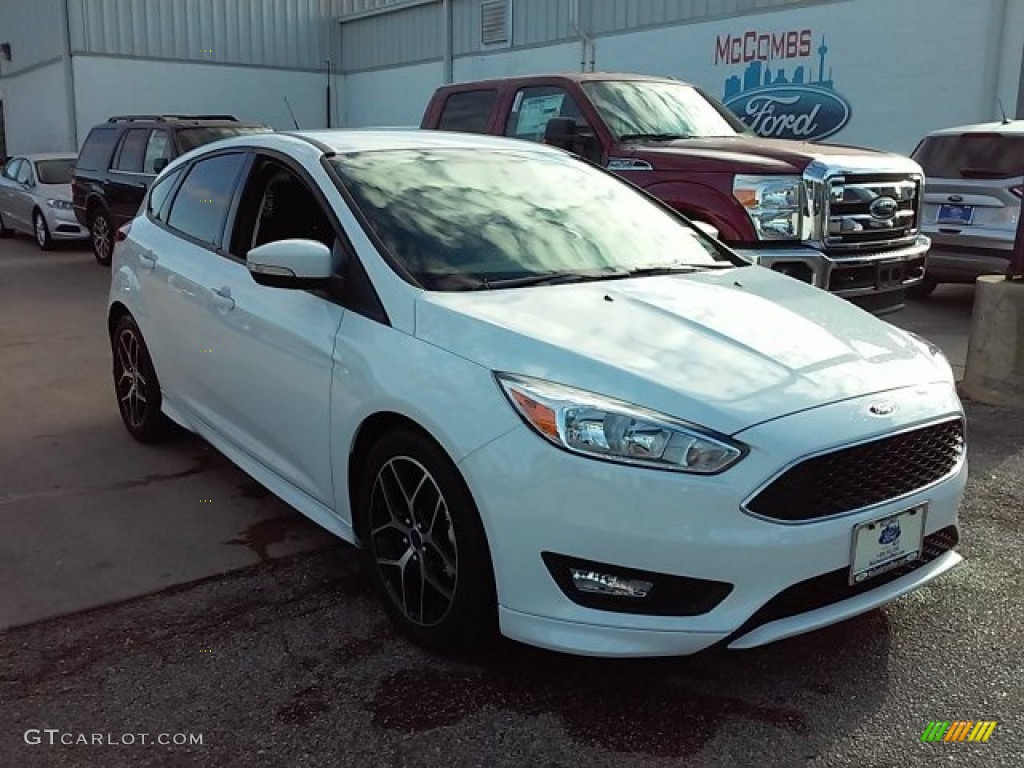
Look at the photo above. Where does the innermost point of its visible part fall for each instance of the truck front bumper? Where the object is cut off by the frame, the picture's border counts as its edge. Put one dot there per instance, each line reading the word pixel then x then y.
pixel 875 281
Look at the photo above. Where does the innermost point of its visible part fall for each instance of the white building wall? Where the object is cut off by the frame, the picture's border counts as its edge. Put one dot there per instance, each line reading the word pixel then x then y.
pixel 106 86
pixel 35 110
pixel 389 97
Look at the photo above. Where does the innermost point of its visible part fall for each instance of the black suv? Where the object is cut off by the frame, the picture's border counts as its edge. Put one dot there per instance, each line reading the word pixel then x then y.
pixel 121 157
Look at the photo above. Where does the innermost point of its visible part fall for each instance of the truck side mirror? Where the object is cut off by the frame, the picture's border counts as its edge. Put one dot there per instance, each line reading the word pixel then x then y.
pixel 561 132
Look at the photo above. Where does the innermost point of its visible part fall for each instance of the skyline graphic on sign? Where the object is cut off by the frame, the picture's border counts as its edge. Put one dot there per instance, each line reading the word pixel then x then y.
pixel 758 74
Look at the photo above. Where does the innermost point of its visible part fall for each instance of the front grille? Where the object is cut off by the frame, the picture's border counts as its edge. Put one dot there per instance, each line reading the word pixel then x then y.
pixel 863 475
pixel 834 587
pixel 867 211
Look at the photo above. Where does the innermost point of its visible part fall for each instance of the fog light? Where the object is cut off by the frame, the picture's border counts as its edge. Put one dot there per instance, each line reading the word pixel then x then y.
pixel 608 584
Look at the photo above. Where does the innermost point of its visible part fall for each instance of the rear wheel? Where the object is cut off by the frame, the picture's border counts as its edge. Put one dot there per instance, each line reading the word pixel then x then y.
pixel 923 289
pixel 101 231
pixel 42 231
pixel 136 385
pixel 425 544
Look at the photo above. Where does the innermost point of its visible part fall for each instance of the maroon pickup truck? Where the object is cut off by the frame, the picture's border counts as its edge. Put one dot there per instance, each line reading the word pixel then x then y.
pixel 842 218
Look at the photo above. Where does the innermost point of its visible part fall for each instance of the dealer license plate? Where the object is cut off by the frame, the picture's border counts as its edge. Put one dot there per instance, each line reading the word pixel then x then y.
pixel 886 543
pixel 955 214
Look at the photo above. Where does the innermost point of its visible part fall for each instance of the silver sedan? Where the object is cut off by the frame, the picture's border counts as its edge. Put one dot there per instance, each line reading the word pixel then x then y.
pixel 35 198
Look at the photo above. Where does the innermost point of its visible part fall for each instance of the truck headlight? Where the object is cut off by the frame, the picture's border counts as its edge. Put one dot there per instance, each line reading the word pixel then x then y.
pixel 774 204
pixel 604 428
pixel 60 205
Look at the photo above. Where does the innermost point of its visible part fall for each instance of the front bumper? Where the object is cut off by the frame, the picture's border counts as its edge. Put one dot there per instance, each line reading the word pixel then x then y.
pixel 534 498
pixel 876 281
pixel 63 225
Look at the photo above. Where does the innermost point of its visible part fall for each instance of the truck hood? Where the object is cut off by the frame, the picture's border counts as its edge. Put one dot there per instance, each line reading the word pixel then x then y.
pixel 727 349
pixel 753 154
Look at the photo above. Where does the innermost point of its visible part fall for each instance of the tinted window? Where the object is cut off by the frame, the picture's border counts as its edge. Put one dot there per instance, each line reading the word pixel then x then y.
pixel 454 218
pixel 158 194
pixel 202 202
pixel 977 156
pixel 156 148
pixel 24 172
pixel 533 107
pixel 469 111
pixel 56 171
pixel 98 147
pixel 132 151
pixel 190 138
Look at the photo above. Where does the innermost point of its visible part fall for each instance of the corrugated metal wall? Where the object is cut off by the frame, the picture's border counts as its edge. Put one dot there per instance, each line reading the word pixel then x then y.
pixel 33 30
pixel 401 37
pixel 290 34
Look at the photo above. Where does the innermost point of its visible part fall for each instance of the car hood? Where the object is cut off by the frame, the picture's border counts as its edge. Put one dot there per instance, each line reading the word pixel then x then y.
pixel 727 349
pixel 52 191
pixel 752 154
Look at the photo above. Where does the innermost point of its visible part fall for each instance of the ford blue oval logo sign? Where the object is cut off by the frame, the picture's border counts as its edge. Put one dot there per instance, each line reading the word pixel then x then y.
pixel 802 112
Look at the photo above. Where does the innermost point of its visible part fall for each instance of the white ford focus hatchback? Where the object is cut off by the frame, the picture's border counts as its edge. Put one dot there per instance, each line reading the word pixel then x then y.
pixel 535 397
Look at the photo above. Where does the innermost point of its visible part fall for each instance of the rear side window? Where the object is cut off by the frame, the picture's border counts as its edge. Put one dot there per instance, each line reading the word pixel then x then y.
pixel 159 193
pixel 202 202
pixel 972 156
pixel 97 149
pixel 469 111
pixel 133 150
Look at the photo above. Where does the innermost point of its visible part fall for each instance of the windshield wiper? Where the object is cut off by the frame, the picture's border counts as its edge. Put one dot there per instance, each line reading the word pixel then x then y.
pixel 653 136
pixel 668 269
pixel 547 278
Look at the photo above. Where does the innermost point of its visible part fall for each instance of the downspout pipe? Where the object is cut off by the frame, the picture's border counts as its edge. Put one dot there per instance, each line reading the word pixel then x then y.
pixel 69 76
pixel 448 20
pixel 585 40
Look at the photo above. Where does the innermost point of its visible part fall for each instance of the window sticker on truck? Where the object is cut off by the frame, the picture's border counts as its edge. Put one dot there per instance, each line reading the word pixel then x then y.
pixel 535 111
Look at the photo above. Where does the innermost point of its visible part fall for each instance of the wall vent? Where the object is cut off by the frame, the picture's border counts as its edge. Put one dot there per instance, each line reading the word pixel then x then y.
pixel 494 23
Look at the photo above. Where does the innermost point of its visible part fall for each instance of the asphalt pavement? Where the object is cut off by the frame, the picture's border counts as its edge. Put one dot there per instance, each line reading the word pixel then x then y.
pixel 154 594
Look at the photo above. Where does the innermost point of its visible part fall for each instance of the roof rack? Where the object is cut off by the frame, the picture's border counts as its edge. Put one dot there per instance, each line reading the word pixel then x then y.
pixel 165 118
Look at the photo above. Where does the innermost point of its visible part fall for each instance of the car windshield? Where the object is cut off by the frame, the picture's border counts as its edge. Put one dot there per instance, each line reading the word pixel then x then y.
pixel 459 219
pixel 638 109
pixel 190 138
pixel 972 155
pixel 56 171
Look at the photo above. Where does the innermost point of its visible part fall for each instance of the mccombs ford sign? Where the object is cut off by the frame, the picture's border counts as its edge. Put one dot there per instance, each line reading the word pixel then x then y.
pixel 785 90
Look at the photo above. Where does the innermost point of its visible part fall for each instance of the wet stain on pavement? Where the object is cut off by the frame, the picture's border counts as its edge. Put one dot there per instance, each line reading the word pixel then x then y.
pixel 259 536
pixel 633 709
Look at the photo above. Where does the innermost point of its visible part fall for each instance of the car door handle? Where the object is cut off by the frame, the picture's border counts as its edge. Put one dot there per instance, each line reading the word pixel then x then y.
pixel 147 260
pixel 222 298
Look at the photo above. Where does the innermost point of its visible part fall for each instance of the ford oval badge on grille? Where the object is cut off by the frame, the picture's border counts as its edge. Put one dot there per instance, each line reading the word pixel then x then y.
pixel 883 207
pixel 882 408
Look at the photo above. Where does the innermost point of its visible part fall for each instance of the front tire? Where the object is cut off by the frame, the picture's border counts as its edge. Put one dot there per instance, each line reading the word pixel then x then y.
pixel 42 231
pixel 101 232
pixel 425 545
pixel 136 385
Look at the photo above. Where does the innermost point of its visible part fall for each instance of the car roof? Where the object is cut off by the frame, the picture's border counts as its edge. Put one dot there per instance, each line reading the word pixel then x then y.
pixel 578 77
pixel 1010 127
pixel 47 156
pixel 347 140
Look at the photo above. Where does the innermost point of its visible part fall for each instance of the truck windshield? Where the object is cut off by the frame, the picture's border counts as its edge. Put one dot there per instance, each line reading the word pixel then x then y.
pixel 638 109
pixel 463 219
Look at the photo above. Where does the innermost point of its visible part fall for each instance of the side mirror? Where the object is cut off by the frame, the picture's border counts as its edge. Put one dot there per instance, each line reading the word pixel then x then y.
pixel 291 264
pixel 159 164
pixel 560 132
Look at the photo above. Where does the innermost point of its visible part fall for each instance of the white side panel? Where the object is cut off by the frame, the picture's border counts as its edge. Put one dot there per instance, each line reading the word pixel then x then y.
pixel 111 86
pixel 35 111
pixel 389 97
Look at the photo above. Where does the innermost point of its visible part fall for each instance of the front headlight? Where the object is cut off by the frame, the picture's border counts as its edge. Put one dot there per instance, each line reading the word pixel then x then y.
pixel 60 205
pixel 774 204
pixel 602 427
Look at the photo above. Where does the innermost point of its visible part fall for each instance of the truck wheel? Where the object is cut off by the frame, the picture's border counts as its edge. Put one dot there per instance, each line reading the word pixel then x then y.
pixel 923 289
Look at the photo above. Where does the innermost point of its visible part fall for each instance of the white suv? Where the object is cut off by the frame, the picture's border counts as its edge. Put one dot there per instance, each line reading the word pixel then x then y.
pixel 975 182
pixel 534 395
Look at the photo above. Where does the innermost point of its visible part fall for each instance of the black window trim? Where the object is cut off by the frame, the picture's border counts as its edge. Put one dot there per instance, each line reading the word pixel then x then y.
pixel 218 247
